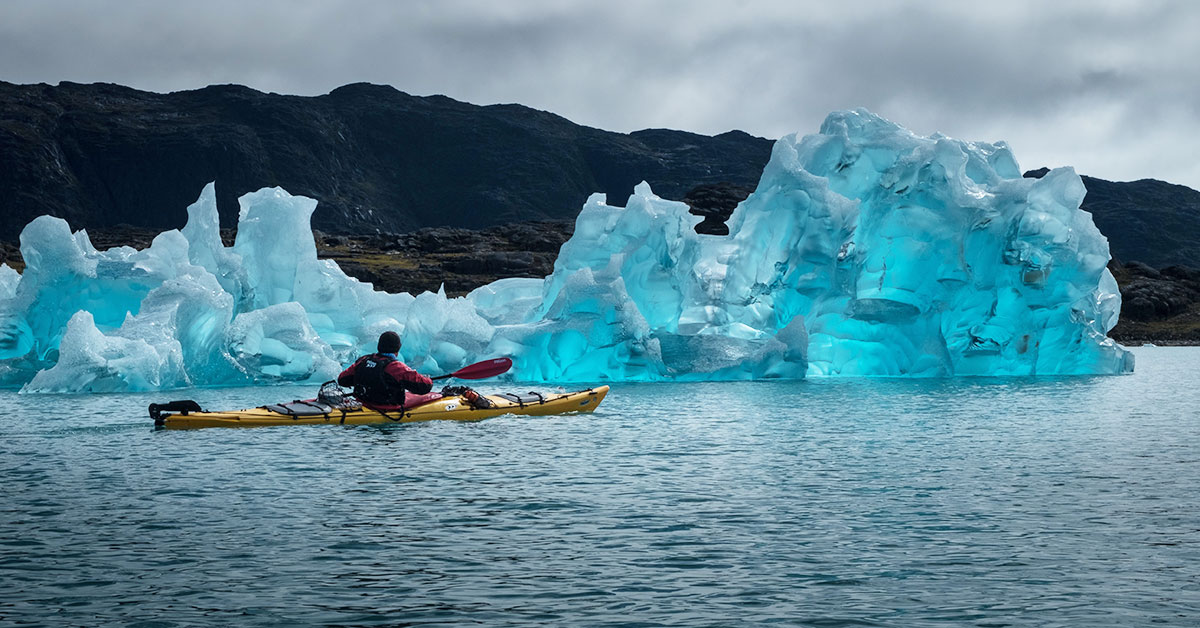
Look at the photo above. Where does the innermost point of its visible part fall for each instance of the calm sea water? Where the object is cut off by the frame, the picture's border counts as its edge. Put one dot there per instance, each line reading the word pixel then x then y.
pixel 1046 502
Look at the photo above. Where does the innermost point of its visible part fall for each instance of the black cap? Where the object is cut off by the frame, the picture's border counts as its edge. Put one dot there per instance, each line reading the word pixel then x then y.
pixel 389 342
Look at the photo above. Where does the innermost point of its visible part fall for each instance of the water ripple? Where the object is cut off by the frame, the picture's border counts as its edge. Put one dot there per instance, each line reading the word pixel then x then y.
pixel 1059 501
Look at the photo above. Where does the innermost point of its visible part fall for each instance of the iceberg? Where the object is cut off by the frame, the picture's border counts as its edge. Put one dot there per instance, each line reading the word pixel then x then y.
pixel 865 250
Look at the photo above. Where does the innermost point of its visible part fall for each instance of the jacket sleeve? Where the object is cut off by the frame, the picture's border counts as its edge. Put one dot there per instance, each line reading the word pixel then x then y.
pixel 411 380
pixel 347 376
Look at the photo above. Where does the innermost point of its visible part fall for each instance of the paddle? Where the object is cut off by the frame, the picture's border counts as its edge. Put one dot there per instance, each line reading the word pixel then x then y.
pixel 480 370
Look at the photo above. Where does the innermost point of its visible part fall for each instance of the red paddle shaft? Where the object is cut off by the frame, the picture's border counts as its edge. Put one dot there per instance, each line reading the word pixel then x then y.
pixel 480 370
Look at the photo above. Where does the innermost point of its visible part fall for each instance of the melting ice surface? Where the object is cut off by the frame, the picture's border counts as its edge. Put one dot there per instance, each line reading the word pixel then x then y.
pixel 866 250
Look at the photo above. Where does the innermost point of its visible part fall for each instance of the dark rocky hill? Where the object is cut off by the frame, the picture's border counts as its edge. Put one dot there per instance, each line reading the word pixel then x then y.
pixel 377 159
pixel 382 161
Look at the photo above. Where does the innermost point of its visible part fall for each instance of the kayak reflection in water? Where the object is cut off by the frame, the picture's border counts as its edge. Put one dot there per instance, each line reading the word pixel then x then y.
pixel 381 381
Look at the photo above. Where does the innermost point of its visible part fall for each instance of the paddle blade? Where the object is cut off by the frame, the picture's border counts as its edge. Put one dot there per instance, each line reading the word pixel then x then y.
pixel 481 370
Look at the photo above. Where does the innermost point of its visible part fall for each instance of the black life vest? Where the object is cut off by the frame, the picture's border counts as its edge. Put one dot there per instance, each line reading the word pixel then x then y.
pixel 373 385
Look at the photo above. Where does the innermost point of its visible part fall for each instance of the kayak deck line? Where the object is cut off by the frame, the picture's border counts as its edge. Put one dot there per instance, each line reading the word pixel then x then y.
pixel 187 414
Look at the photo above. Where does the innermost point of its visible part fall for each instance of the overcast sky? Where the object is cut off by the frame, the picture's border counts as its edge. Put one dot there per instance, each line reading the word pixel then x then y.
pixel 1110 87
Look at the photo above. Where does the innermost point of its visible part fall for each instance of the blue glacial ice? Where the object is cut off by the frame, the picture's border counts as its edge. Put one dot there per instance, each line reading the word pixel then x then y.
pixel 865 250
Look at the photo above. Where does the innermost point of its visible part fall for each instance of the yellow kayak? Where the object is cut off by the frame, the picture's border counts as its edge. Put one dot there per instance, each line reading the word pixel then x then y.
pixel 188 415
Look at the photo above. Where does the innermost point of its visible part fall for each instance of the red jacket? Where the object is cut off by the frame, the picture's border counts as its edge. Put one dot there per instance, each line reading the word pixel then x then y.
pixel 398 377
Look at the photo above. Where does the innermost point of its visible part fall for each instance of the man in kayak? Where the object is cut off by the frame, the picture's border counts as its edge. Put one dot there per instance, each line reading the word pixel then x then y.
pixel 380 380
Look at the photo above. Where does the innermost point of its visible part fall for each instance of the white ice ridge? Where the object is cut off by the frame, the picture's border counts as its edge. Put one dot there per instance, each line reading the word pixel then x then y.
pixel 866 250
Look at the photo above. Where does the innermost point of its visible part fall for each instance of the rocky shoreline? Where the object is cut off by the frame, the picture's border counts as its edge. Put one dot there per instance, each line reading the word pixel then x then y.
pixel 1159 306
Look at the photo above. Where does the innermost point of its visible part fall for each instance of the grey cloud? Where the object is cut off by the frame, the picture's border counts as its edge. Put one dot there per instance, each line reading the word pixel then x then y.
pixel 1112 87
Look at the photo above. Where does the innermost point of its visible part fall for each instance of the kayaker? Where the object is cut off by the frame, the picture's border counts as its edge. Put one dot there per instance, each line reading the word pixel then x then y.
pixel 382 381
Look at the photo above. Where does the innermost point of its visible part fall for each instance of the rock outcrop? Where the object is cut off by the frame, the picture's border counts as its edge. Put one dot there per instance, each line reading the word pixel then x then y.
pixel 1161 306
